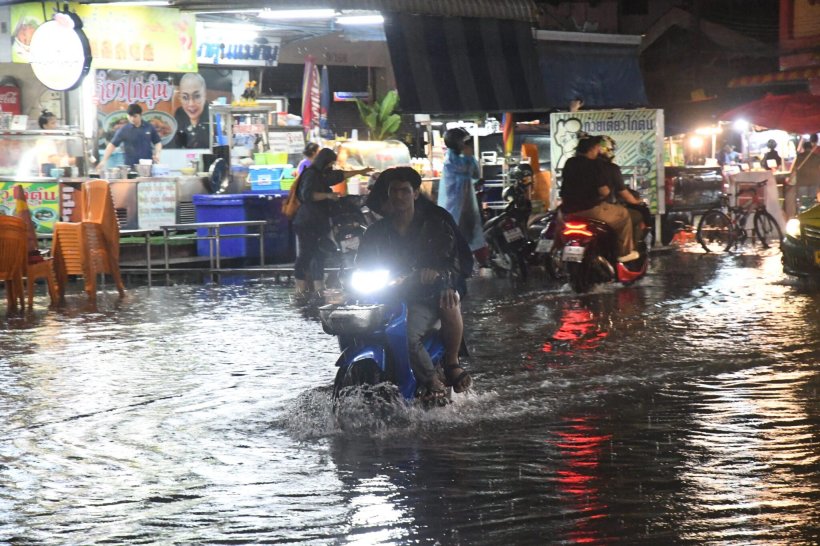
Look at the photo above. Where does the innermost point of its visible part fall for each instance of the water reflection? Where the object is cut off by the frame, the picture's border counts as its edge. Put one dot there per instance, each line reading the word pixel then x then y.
pixel 681 409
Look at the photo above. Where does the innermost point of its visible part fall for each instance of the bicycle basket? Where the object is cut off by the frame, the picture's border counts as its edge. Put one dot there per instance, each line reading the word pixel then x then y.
pixel 351 319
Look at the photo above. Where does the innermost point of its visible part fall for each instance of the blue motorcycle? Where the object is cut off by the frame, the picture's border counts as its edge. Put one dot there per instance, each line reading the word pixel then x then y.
pixel 372 332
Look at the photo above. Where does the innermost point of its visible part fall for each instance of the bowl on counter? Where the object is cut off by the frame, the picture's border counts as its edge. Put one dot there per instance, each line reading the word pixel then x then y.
pixel 188 171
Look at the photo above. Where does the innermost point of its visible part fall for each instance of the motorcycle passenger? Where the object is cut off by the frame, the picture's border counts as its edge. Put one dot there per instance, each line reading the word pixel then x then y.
pixel 618 190
pixel 312 221
pixel 417 236
pixel 584 191
pixel 456 192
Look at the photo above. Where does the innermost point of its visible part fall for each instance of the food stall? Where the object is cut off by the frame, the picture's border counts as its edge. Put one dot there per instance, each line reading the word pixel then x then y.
pixel 51 166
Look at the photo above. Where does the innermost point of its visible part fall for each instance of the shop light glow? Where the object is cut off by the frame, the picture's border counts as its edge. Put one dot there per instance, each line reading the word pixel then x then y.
pixel 708 131
pixel 241 28
pixel 696 142
pixel 360 20
pixel 284 14
pixel 741 125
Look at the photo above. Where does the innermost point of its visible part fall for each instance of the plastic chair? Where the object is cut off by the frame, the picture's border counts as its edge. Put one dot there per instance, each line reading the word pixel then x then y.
pixel 98 207
pixel 36 266
pixel 81 249
pixel 13 246
pixel 92 246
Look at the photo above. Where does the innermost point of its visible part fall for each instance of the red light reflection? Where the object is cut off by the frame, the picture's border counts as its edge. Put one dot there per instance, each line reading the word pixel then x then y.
pixel 578 332
pixel 581 445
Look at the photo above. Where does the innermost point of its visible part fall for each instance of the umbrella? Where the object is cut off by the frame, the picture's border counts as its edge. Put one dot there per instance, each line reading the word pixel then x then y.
pixel 324 125
pixel 310 95
pixel 797 113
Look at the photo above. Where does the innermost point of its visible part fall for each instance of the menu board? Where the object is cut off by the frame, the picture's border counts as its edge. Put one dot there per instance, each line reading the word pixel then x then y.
pixel 292 142
pixel 43 202
pixel 156 203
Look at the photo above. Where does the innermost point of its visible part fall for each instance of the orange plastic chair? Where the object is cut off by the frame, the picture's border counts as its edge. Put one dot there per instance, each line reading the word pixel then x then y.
pixel 13 259
pixel 80 248
pixel 98 207
pixel 37 267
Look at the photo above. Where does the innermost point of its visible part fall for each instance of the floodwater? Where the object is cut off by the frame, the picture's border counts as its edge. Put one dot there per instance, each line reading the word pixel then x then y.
pixel 681 410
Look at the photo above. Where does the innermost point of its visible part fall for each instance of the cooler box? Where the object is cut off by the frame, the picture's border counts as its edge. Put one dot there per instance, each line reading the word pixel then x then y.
pixel 265 178
pixel 240 207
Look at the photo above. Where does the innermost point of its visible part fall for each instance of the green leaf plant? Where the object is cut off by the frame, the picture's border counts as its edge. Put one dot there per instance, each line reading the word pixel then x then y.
pixel 379 117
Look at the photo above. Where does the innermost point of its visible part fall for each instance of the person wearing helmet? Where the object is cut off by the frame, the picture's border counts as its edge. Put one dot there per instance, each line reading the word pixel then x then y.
pixel 416 235
pixel 773 155
pixel 456 193
pixel 619 193
pixel 584 191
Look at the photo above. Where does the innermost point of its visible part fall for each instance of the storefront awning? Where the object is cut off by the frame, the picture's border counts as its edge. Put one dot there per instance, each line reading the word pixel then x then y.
pixel 463 64
pixel 785 76
pixel 603 70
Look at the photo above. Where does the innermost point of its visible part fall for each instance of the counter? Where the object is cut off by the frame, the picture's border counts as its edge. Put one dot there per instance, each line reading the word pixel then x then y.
pixel 150 202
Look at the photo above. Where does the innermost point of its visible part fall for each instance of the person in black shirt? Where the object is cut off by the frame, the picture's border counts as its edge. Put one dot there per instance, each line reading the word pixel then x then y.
pixel 312 221
pixel 422 239
pixel 773 155
pixel 584 190
pixel 619 193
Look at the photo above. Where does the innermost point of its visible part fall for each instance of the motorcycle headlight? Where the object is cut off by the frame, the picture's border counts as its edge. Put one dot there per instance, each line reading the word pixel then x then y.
pixel 369 282
pixel 793 228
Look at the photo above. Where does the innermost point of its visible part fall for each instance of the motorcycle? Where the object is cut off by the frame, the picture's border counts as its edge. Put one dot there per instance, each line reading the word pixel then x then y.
pixel 587 250
pixel 546 253
pixel 348 222
pixel 372 331
pixel 506 233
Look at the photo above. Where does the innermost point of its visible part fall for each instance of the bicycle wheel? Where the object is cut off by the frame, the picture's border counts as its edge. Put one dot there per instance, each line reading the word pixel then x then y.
pixel 767 230
pixel 714 231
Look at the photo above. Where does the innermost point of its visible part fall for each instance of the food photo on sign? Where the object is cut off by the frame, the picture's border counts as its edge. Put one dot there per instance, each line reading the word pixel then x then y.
pixel 175 104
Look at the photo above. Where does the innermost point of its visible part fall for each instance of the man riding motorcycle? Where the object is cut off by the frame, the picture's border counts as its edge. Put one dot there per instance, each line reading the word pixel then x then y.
pixel 618 190
pixel 584 191
pixel 415 237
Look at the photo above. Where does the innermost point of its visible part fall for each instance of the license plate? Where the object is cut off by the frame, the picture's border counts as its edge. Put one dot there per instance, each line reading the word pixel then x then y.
pixel 543 246
pixel 512 235
pixel 350 244
pixel 573 253
pixel 817 257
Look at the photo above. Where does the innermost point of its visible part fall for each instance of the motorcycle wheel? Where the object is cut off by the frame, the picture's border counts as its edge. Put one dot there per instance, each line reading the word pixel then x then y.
pixel 555 265
pixel 364 372
pixel 580 273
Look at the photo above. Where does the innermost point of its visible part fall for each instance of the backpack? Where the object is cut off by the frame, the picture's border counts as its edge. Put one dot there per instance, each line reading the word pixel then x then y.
pixel 291 203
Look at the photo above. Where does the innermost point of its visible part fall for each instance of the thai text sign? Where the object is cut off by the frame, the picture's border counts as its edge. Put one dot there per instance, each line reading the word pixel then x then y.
pixel 156 203
pixel 120 37
pixel 43 202
pixel 638 135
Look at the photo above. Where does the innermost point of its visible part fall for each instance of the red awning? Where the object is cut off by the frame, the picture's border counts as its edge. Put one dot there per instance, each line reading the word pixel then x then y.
pixel 795 113
pixel 786 76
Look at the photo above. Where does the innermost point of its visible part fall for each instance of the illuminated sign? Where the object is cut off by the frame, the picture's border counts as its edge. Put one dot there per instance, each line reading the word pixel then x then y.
pixel 60 55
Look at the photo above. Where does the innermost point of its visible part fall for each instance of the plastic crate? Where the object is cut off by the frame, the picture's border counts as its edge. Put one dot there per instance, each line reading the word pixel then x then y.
pixel 265 177
pixel 241 207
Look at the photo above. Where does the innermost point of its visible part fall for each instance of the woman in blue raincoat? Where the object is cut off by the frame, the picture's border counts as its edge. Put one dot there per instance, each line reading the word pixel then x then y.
pixel 456 193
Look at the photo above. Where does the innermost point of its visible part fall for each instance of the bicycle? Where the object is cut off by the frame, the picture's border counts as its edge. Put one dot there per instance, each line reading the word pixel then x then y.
pixel 719 231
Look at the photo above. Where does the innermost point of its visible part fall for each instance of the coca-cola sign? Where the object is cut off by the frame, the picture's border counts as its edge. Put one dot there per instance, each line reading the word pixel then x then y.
pixel 10 99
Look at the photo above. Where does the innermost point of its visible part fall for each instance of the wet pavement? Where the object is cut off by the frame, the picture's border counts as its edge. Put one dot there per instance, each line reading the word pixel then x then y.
pixel 681 410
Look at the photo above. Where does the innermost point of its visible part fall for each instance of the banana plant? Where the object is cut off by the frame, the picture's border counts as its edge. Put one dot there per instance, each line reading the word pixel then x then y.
pixel 379 117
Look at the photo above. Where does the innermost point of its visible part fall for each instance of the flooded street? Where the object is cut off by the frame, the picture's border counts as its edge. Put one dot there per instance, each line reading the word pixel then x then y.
pixel 683 409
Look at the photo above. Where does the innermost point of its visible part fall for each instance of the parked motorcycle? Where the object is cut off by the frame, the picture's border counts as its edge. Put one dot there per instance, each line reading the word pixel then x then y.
pixel 372 331
pixel 506 233
pixel 546 252
pixel 348 222
pixel 588 253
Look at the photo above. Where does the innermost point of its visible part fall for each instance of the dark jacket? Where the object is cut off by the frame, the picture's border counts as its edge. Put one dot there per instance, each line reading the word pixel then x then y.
pixel 318 178
pixel 432 242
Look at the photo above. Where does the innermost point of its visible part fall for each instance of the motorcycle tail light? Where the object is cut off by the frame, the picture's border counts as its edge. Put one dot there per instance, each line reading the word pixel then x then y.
pixel 577 228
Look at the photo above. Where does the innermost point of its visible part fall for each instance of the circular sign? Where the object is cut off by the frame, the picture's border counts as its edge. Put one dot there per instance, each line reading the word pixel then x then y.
pixel 60 56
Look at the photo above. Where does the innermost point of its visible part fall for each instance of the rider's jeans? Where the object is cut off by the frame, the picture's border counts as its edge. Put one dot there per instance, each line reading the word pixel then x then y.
pixel 618 219
pixel 421 318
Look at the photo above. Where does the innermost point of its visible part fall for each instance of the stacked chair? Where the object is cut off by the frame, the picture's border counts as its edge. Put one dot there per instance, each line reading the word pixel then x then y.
pixel 13 259
pixel 90 247
pixel 36 265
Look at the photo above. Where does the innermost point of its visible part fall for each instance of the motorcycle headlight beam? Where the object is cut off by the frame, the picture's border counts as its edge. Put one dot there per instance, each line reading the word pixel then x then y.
pixel 368 282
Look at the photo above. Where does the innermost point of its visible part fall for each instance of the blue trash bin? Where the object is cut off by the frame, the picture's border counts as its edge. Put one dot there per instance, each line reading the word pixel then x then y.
pixel 241 207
